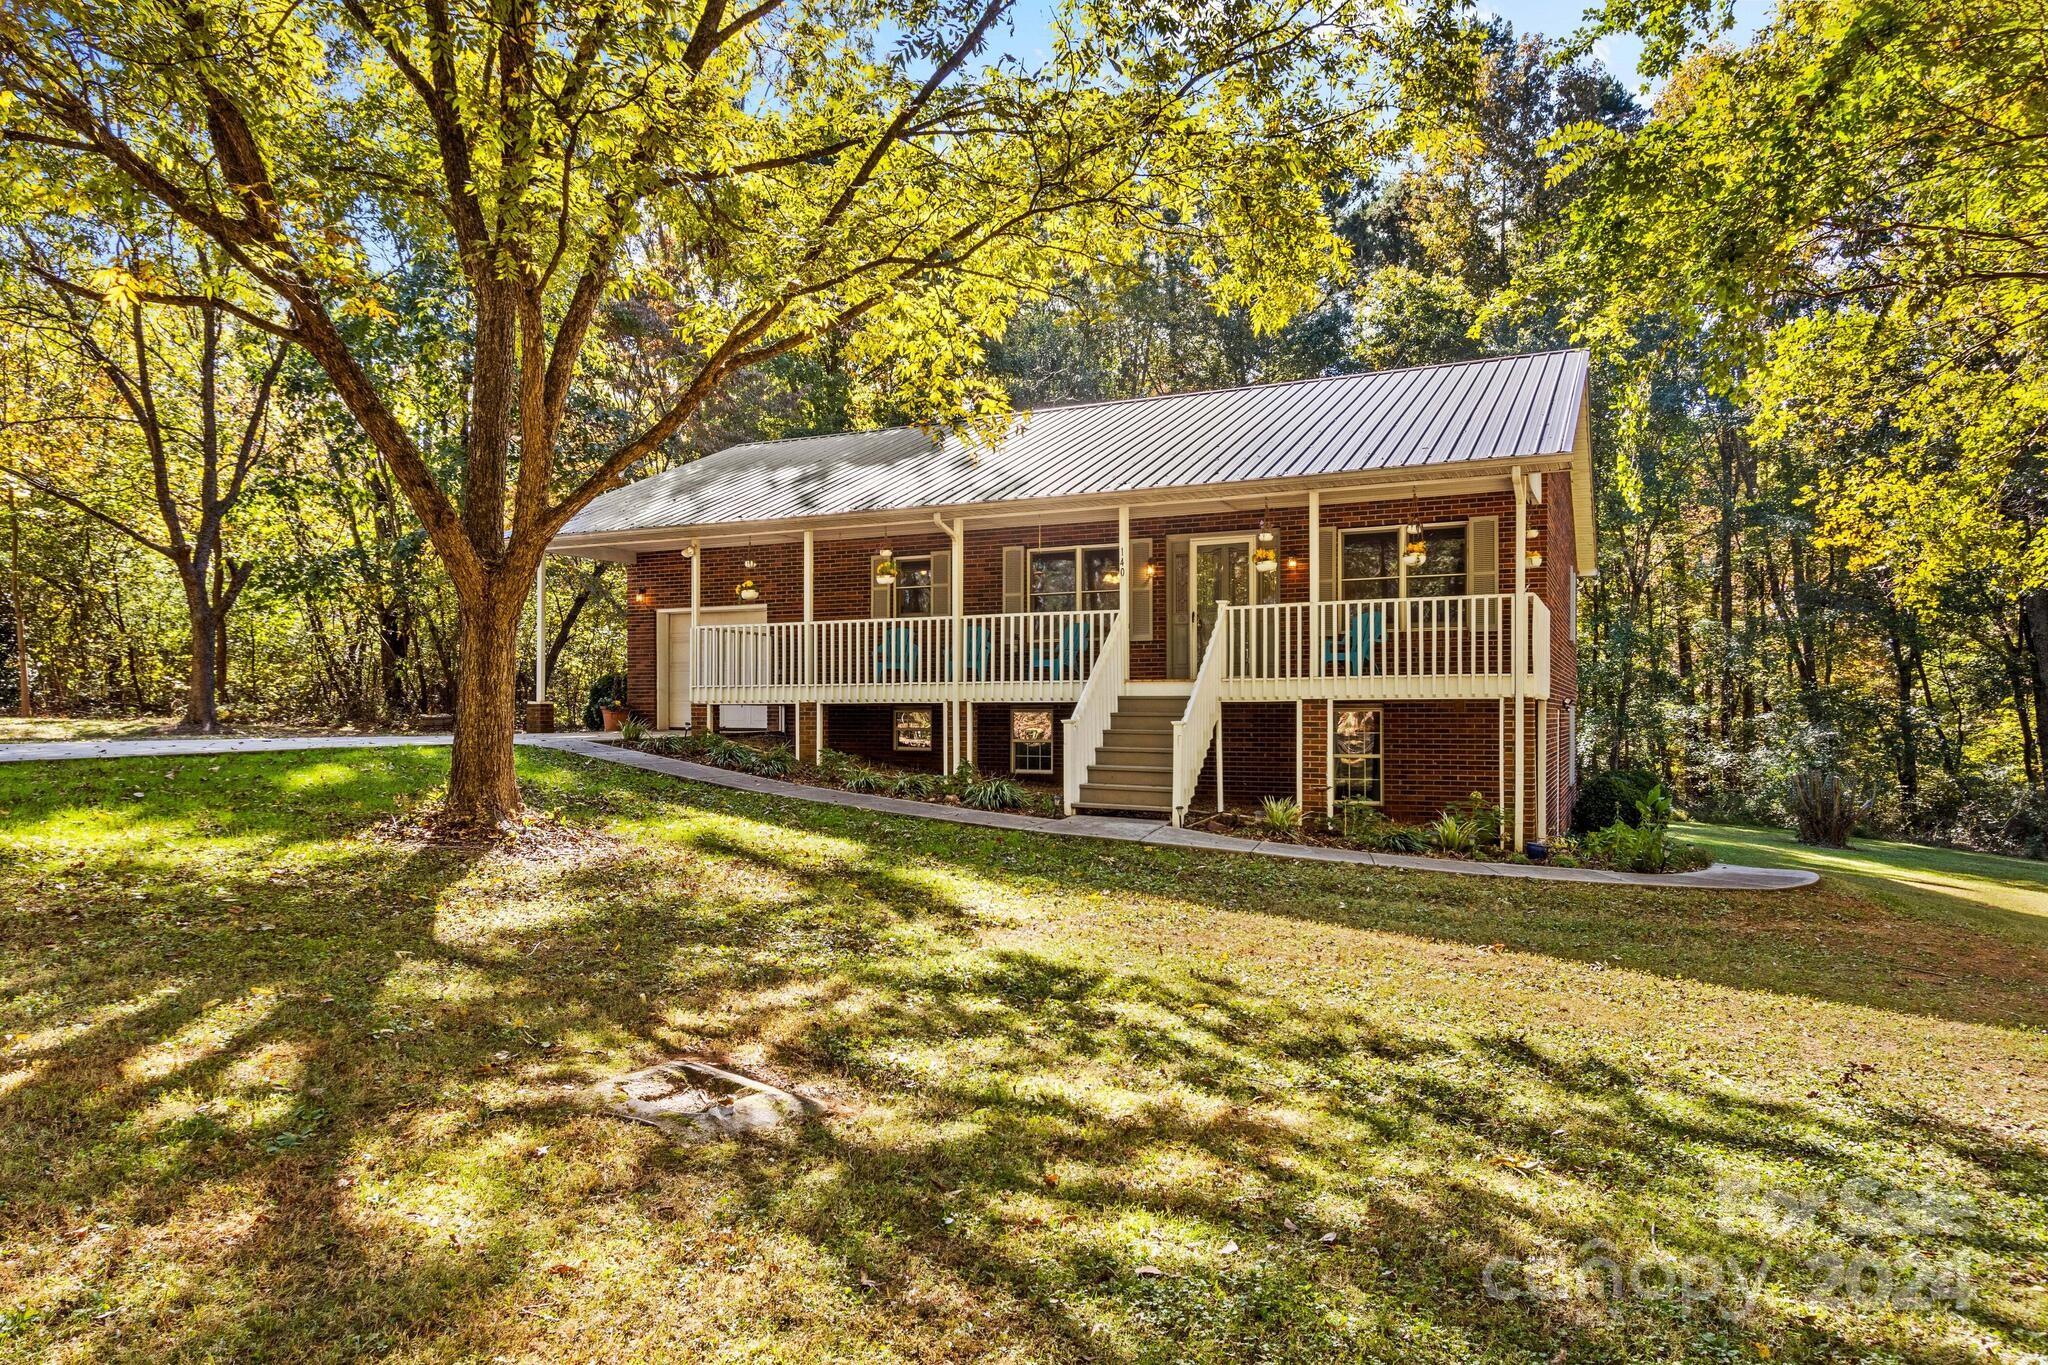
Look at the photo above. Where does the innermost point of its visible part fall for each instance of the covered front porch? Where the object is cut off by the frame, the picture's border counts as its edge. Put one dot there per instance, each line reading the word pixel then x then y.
pixel 1375 592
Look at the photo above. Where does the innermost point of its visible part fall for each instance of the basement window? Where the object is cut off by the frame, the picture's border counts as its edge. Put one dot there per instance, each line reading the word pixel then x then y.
pixel 1031 741
pixel 913 730
pixel 1356 755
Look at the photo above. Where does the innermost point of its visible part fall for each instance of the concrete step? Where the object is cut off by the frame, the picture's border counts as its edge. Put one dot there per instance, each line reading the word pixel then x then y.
pixel 1110 797
pixel 1170 707
pixel 1111 774
pixel 1123 750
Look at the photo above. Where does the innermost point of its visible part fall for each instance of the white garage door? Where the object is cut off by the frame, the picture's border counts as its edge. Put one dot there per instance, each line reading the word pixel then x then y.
pixel 678 653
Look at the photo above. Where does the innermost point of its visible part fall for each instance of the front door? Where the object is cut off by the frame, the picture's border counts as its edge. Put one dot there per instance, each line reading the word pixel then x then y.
pixel 1221 574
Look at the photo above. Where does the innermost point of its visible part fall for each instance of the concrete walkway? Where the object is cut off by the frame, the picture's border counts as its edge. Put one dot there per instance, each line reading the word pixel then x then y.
pixel 1719 877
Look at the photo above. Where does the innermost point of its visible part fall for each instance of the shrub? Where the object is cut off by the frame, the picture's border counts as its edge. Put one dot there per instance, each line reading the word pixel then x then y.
pixel 918 785
pixel 991 793
pixel 1482 815
pixel 1280 816
pixel 608 690
pixel 1825 807
pixel 1366 825
pixel 1610 796
pixel 633 730
pixel 1646 848
pixel 867 780
pixel 1452 833
pixel 777 760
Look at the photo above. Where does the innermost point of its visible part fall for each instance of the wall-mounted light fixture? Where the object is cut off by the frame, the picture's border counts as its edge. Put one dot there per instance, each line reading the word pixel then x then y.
pixel 643 597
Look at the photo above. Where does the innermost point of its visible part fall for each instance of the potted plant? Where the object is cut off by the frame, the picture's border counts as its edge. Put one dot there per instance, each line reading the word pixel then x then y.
pixel 606 709
pixel 747 590
pixel 1264 559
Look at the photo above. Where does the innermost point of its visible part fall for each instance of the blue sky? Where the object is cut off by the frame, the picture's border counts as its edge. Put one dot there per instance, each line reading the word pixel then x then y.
pixel 1557 18
pixel 1552 18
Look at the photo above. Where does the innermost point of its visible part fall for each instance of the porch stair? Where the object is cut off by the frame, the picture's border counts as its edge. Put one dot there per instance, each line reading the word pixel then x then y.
pixel 1133 769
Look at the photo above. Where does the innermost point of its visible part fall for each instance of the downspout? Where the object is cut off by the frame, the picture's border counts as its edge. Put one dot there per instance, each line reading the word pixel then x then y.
pixel 1518 615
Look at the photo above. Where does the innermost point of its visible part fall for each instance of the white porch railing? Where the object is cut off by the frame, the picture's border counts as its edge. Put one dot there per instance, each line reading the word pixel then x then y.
pixel 1082 731
pixel 1197 724
pixel 1007 656
pixel 1390 648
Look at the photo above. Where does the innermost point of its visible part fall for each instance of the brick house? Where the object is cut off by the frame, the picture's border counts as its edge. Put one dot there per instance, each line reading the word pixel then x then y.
pixel 1348 589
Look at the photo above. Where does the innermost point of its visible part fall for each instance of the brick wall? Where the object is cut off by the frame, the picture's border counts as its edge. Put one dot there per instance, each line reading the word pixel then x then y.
pixel 1259 744
pixel 1437 753
pixel 870 732
pixel 1315 750
pixel 992 742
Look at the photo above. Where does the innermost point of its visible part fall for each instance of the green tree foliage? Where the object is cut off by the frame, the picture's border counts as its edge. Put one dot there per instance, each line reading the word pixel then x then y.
pixel 757 179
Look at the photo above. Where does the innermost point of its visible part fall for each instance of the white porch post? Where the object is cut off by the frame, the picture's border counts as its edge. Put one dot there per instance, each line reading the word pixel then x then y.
pixel 540 630
pixel 696 602
pixel 810 655
pixel 1315 582
pixel 957 533
pixel 1519 617
pixel 1124 570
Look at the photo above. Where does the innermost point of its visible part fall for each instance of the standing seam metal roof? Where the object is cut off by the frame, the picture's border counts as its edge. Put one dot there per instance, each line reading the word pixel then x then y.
pixel 1498 408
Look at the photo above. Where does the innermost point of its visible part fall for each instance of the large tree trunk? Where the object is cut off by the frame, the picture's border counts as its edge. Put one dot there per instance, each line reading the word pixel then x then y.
pixel 202 713
pixel 483 787
pixel 2034 629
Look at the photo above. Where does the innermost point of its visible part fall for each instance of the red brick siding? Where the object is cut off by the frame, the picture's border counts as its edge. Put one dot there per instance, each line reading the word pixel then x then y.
pixel 1315 749
pixel 1259 745
pixel 1437 753
pixel 992 742
pixel 870 732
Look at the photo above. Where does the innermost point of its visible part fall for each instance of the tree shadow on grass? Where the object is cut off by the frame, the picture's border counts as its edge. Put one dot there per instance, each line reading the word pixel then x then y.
pixel 1826 943
pixel 1021 1134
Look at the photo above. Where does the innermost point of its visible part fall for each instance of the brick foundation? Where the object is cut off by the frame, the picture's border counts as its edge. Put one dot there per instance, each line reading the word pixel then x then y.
pixel 1259 746
pixel 869 732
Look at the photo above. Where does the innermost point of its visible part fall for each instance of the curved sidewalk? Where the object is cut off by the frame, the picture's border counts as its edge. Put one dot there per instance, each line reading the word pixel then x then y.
pixel 1719 877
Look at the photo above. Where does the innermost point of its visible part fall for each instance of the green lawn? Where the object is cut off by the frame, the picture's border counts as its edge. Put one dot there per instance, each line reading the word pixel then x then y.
pixel 2008 895
pixel 274 1085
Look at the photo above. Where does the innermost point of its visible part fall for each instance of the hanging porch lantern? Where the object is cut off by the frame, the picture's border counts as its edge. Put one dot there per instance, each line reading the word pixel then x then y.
pixel 1414 551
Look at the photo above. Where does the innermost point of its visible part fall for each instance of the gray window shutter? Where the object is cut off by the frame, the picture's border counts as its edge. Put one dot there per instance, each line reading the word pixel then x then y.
pixel 1177 634
pixel 1141 589
pixel 942 582
pixel 1328 554
pixel 1013 579
pixel 881 600
pixel 1482 556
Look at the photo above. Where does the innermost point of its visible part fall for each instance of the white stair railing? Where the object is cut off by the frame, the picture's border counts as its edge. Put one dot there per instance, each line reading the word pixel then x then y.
pixel 1197 724
pixel 1083 729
